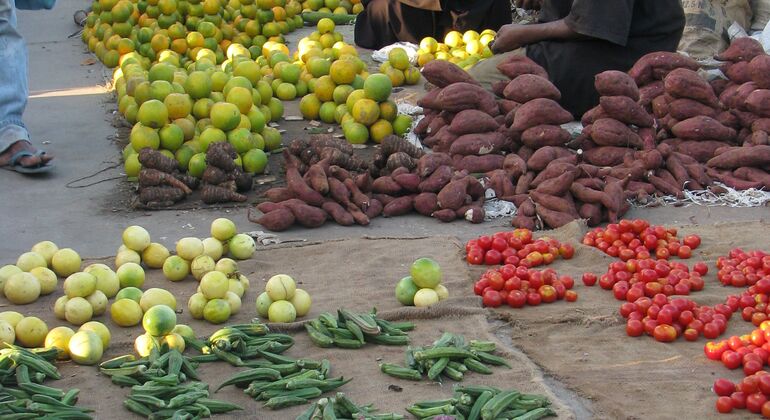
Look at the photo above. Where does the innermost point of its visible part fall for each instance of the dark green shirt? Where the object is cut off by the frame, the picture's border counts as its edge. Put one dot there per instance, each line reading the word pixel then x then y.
pixel 618 33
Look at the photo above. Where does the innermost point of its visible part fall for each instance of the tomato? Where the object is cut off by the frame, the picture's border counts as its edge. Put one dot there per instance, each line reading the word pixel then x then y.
pixel 691 334
pixel 662 253
pixel 547 293
pixel 723 387
pixel 493 257
pixel 693 241
pixel 755 401
pixel 480 285
pixel 485 242
pixel 626 254
pixel 749 385
pixel 634 328
pixel 730 359
pixel 475 256
pixel 492 299
pixel 495 280
pixel 567 281
pixel 499 244
pixel 700 268
pixel 751 367
pixel 684 252
pixel 570 296
pixel 724 404
pixel 566 251
pixel 516 299
pixel 739 399
pixel 507 271
pixel 766 409
pixel 764 384
pixel 664 333
pixel 533 299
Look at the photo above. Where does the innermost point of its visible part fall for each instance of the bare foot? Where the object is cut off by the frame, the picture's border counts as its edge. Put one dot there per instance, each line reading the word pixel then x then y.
pixel 26 161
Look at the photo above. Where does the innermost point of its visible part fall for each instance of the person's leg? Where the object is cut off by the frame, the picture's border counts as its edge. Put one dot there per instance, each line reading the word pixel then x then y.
pixel 485 71
pixel 14 137
pixel 384 22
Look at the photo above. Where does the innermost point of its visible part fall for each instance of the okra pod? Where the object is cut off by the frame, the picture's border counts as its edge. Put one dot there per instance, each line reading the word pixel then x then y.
pixel 400 372
pixel 536 414
pixel 283 402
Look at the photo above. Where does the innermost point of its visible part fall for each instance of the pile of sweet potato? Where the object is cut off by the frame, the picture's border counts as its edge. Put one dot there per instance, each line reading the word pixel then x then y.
pixel 161 184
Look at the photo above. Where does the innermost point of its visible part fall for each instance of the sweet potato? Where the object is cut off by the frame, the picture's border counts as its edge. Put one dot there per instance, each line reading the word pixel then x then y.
pixel 426 203
pixel 616 83
pixel 741 95
pixel 409 182
pixel 317 178
pixel 515 66
pixel 702 128
pixel 306 215
pixel 754 174
pixel 525 152
pixel 606 155
pixel 647 135
pixel 685 83
pixel 698 174
pixel 340 173
pixel 649 92
pixel 660 106
pixel 758 102
pixel 592 115
pixel 339 192
pixel 445 215
pixel 727 178
pixel 473 213
pixel 399 206
pixel 741 49
pixel 522 185
pixel 500 183
pixel 759 71
pixel 553 219
pixel 737 72
pixel 526 208
pixel 454 194
pixel 443 73
pixel 523 222
pixel 701 151
pixel 557 186
pixel 359 216
pixel 611 132
pixel 638 186
pixel 736 157
pixel 545 135
pixel 531 86
pixel 625 110
pixel 745 119
pixel 430 162
pixel 664 186
pixel 267 206
pixel 561 204
pixel 476 164
pixel 614 198
pixel 544 155
pixel 358 198
pixel 506 107
pixel 300 189
pixel 728 119
pixel 277 220
pixel 478 144
pixel 459 96
pixel 643 71
pixel 684 108
pixel 592 213
pixel 585 194
pixel 475 188
pixel 553 170
pixel 759 138
pixel 421 129
pixel 761 124
pixel 338 213
pixel 514 165
pixel 540 111
pixel 375 208
pixel 719 85
pixel 499 87
pixel 472 121
pixel 437 180
pixel 384 199
pixel 386 185
pixel 677 169
pixel 436 124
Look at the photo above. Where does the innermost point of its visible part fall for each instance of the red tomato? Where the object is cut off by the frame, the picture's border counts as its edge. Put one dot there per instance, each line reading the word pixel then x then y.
pixel 570 296
pixel 749 385
pixel 567 281
pixel 751 367
pixel 626 254
pixel 493 257
pixel 513 283
pixel 684 252
pixel 516 299
pixel 731 359
pixel 499 244
pixel 693 241
pixel 566 251
pixel 507 271
pixel 691 334
pixel 739 399
pixel 492 299
pixel 723 387
pixel 634 328
pixel 662 253
pixel 547 293
pixel 475 256
pixel 755 401
pixel 533 299
pixel 715 350
pixel 485 242
pixel 664 333
pixel 700 268
pixel 766 409
pixel 480 285
pixel 724 404
pixel 764 384
pixel 496 280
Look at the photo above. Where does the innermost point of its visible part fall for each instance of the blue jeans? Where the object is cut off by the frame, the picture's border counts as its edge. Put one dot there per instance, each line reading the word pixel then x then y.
pixel 13 78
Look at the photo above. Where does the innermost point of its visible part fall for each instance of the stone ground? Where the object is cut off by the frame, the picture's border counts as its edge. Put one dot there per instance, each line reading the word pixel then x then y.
pixel 71 113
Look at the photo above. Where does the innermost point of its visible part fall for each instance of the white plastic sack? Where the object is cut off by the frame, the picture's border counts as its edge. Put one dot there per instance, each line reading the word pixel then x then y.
pixel 381 55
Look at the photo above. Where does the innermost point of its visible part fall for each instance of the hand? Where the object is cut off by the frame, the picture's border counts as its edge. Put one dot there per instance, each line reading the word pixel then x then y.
pixel 529 4
pixel 511 37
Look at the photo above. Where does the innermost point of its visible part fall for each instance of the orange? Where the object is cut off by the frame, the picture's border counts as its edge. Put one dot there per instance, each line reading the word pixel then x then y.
pixel 366 111
pixel 378 87
pixel 224 115
pixel 159 42
pixel 343 72
pixel 179 105
pixel 398 58
pixel 240 97
pixel 309 106
pixel 153 114
pixel 380 129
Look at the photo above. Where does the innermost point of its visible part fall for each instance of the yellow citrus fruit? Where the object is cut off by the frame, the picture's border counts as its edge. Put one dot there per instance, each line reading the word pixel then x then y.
pixel 174 341
pixel 388 110
pixel 153 114
pixel 341 93
pixel 366 111
pixel 77 311
pixel 240 97
pixel 100 329
pixel 326 113
pixel 396 77
pixel 216 311
pixel 286 92
pixel 324 88
pixel 255 161
pixel 380 129
pixel 156 296
pixel 353 97
pixel 86 348
pixel 429 44
pixel 225 116
pixel 179 105
pixel 126 312
pixel 319 66
pixel 401 124
pixel 355 133
pixel 398 58
pixel 22 288
pixel 11 317
pixel 198 85
pixel 145 343
pixel 59 337
pixel 31 332
pixel 378 87
pixel 309 106
pixel 425 58
pixel 453 39
pixel 343 72
pixel 130 292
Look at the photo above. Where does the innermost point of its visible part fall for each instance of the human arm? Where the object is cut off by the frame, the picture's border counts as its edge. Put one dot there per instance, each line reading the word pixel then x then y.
pixel 513 36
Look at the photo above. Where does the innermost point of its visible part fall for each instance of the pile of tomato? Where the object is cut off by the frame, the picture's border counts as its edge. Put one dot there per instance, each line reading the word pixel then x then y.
pixel 666 319
pixel 741 269
pixel 637 239
pixel 751 352
pixel 520 286
pixel 517 248
pixel 634 278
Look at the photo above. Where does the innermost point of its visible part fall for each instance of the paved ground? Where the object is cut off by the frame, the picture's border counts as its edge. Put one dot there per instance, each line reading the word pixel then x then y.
pixel 70 108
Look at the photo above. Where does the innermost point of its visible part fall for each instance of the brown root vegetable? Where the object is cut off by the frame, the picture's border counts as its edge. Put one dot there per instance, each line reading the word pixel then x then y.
pixel 276 221
pixel 386 185
pixel 339 173
pixel 759 138
pixel 317 179
pixel 637 186
pixel 409 182
pixel 338 213
pixel 267 207
pixel 375 208
pixel 421 129
pixel 399 206
pixel 211 194
pixel 515 66
pixel 754 174
pixel 647 135
pixel 660 107
pixel 736 157
pixel 445 215
pixel 500 183
pixel 614 195
pixel 221 155
pixel 634 170
pixel 400 159
pixel 442 140
pixel 243 180
pixel 523 183
pixel 472 213
pixel 478 144
pixel 698 174
pixel 358 198
pixel 393 144
pixel 545 135
pixel 153 159
pixel 477 164
pixel 664 186
pixel 189 180
pixel 553 219
pixel 213 175
pixel 525 152
pixel 701 151
pixel 306 215
pixel 594 183
pixel 359 216
pixel 334 156
pixel 741 49
pixel 651 66
pixel 514 165
pixel 432 161
pixel 728 119
pixel 472 121
pixel 606 155
pixel 592 115
pixel 544 155
pixel 737 72
pixel 443 73
pixel 499 87
pixel 540 111
pixel 149 177
pixel 685 83
pixel 685 108
pixel 758 102
pixel 557 186
pixel 278 194
pixel 649 92
pixel 475 188
pixel 426 203
pixel 585 194
pixel 300 189
pixel 526 208
pixel 322 141
pixel 384 199
pixel 523 222
pixel 527 87
pixel 702 128
pixel 506 107
pixel 561 204
pixel 454 194
pixel 592 212
pixel 459 96
pixel 616 83
pixel 554 169
pixel 160 196
pixel 611 132
pixel 677 169
pixel 759 71
pixel 761 124
pixel 339 192
pixel 626 110
pixel 651 159
pixel 437 180
pixel 732 181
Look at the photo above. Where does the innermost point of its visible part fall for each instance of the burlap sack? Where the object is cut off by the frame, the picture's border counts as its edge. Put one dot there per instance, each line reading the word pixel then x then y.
pixel 761 12
pixel 739 11
pixel 705 31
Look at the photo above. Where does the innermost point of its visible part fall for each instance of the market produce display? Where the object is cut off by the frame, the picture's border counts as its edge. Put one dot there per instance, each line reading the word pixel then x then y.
pixel 340 406
pixel 450 356
pixel 331 7
pixel 464 49
pixel 352 330
pixel 236 343
pixel 399 69
pixel 23 394
pixel 629 239
pixel 485 402
pixel 423 286
pixel 282 301
pixel 36 272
